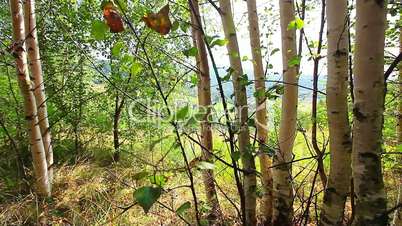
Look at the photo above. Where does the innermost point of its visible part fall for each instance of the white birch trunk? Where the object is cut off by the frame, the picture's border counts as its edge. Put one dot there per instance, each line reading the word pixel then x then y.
pixel 340 144
pixel 261 113
pixel 39 87
pixel 30 108
pixel 368 113
pixel 282 175
pixel 242 112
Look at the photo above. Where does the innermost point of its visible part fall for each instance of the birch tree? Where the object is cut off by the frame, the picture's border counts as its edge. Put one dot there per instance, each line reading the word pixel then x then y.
pixel 282 178
pixel 261 112
pixel 30 106
pixel 205 103
pixel 368 113
pixel 39 87
pixel 340 143
pixel 242 111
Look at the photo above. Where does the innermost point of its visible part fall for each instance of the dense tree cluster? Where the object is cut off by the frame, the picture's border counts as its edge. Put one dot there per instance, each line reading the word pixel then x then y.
pixel 154 107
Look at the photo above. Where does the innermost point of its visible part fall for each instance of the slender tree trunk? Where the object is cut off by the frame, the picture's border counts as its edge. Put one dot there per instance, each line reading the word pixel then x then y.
pixel 242 112
pixel 205 103
pixel 340 143
pixel 116 120
pixel 30 108
pixel 282 178
pixel 316 59
pixel 39 87
pixel 261 112
pixel 398 213
pixel 368 113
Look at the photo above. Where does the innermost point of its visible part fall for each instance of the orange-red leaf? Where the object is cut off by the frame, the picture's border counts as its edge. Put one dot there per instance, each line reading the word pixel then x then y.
pixel 160 21
pixel 113 18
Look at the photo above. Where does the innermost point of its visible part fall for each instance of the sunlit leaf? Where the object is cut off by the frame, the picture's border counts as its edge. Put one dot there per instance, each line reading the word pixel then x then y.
pixel 294 61
pixel 117 47
pixel 259 93
pixel 183 208
pixel 194 80
pixel 210 39
pixel 160 21
pixel 136 68
pixel 297 23
pixel 147 196
pixel 192 52
pixel 99 30
pixel 182 113
pixel 159 180
pixel 219 42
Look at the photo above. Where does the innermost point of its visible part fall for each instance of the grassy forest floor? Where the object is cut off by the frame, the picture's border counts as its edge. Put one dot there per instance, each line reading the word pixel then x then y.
pixel 90 189
pixel 95 191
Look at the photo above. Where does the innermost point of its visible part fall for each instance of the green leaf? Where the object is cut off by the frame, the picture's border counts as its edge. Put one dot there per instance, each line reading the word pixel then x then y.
pixel 136 68
pixel 117 47
pixel 259 93
pixel 210 39
pixel 159 180
pixel 226 77
pixel 140 175
pixel 219 42
pixel 99 29
pixel 175 25
pixel 244 58
pixel 184 26
pixel 147 196
pixel 399 148
pixel 205 165
pixel 295 61
pixel 194 80
pixel 182 113
pixel 296 24
pixel 191 52
pixel 274 51
pixel 236 155
pixel 251 122
pixel 204 222
pixel 280 89
pixel 185 206
pixel 244 80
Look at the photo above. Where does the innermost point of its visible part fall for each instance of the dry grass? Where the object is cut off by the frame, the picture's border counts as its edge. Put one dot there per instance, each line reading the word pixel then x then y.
pixel 86 194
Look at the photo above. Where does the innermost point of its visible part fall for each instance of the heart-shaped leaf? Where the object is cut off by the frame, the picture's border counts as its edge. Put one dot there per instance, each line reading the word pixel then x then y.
pixel 147 196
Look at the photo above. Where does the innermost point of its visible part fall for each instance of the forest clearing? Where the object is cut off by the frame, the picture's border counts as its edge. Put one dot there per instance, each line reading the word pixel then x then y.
pixel 201 112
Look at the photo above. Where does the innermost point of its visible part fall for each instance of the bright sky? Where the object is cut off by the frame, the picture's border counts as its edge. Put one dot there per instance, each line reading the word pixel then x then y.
pixel 269 23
